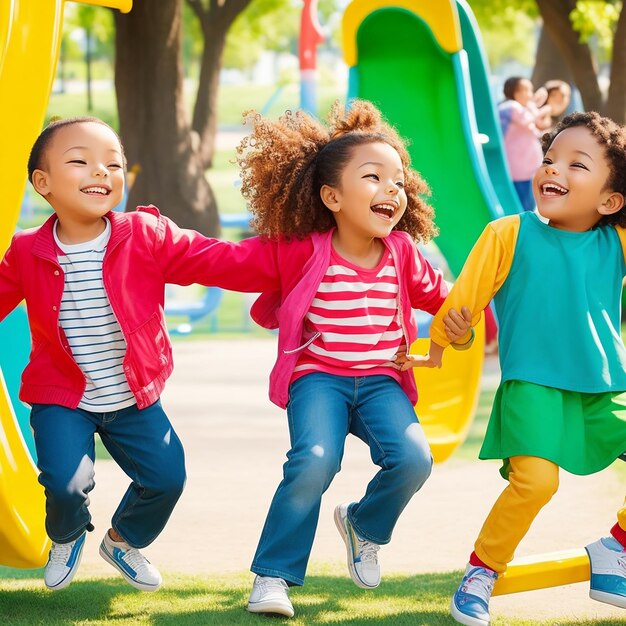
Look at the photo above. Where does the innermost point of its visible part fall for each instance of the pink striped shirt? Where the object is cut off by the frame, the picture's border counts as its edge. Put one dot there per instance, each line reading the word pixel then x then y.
pixel 354 321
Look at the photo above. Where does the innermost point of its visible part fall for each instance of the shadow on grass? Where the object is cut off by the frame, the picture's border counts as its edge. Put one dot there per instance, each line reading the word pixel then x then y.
pixel 186 601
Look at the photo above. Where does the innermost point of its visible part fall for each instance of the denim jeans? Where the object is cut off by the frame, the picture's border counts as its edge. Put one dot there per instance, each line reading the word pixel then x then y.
pixel 144 445
pixel 322 410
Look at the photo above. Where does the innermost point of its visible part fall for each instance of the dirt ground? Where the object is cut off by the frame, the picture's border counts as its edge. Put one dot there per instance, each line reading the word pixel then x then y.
pixel 235 442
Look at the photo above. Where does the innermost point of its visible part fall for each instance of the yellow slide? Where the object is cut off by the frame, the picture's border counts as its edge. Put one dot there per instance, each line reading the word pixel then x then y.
pixel 30 35
pixel 448 396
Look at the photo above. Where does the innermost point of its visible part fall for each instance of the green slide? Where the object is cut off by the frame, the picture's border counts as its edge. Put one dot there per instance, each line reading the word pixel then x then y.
pixel 427 93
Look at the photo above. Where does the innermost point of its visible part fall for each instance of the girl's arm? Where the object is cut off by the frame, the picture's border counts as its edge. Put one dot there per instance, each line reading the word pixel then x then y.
pixel 11 292
pixel 484 272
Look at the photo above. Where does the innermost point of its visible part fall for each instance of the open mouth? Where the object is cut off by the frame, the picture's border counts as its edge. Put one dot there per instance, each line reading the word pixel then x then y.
pixel 96 191
pixel 552 189
pixel 386 210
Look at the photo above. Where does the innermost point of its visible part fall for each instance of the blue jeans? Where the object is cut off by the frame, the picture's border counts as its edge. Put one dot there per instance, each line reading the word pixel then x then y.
pixel 322 410
pixel 144 445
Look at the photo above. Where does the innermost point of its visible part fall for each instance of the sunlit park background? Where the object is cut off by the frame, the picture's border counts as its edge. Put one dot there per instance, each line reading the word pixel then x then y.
pixel 229 57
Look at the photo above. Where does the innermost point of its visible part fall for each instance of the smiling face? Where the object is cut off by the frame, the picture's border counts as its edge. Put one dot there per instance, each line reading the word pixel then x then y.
pixel 570 186
pixel 370 198
pixel 82 174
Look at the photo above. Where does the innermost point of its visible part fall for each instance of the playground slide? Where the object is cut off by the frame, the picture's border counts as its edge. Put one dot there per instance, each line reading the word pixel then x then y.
pixel 423 79
pixel 30 35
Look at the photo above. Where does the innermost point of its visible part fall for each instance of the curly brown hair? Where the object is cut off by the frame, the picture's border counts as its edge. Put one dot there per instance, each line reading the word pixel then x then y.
pixel 285 163
pixel 612 137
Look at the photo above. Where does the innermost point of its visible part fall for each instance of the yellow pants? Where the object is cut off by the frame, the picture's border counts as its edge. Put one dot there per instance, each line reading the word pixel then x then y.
pixel 532 483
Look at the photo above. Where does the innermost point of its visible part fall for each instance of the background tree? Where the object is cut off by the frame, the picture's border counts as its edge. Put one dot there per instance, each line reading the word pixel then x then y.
pixel 97 27
pixel 153 118
pixel 216 18
pixel 580 38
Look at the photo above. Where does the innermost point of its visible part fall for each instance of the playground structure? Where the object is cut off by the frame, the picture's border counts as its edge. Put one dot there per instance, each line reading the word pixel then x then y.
pixel 443 75
pixel 30 36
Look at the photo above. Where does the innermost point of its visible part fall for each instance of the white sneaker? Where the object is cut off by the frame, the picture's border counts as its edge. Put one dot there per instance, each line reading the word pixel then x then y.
pixel 270 595
pixel 133 565
pixel 608 572
pixel 63 561
pixel 362 554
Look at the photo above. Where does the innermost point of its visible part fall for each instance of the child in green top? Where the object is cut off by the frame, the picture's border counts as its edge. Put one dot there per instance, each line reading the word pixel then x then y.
pixel 561 403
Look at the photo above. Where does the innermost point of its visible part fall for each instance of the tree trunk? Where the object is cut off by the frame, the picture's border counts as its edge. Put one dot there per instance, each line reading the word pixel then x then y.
pixel 153 121
pixel 555 14
pixel 215 18
pixel 205 109
pixel 549 62
pixel 616 105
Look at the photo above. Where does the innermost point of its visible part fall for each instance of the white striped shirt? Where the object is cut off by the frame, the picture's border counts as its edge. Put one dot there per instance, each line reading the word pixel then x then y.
pixel 92 332
pixel 354 321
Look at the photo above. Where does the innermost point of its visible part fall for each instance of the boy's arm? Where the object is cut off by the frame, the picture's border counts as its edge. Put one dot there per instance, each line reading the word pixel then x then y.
pixel 186 257
pixel 11 292
pixel 485 270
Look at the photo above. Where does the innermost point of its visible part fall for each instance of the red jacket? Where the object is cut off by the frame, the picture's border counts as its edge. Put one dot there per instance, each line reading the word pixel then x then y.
pixel 146 250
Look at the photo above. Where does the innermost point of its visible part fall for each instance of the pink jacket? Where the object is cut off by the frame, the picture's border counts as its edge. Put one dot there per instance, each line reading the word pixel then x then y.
pixel 145 251
pixel 300 267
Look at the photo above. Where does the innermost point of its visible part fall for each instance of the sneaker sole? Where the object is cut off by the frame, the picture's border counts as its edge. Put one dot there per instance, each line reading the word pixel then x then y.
pixel 131 581
pixel 70 575
pixel 271 608
pixel 467 620
pixel 608 598
pixel 350 555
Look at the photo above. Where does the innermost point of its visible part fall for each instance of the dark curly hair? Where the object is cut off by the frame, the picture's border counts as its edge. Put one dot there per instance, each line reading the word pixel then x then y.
pixel 285 163
pixel 612 137
pixel 38 151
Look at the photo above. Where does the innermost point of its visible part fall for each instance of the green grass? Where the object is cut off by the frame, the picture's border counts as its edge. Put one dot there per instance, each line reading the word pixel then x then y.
pixel 328 597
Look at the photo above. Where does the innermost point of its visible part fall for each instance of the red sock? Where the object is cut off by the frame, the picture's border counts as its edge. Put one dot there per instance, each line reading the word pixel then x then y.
pixel 476 562
pixel 619 534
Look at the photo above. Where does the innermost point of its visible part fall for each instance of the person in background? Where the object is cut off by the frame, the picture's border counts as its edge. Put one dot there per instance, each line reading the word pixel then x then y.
pixel 522 123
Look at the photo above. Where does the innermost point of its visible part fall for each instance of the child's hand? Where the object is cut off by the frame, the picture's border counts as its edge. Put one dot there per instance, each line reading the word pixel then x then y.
pixel 432 359
pixel 457 324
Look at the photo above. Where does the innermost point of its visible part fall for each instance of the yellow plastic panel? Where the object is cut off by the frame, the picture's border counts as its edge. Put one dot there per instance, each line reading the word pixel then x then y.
pixel 448 396
pixel 23 539
pixel 124 6
pixel 440 15
pixel 546 570
pixel 29 61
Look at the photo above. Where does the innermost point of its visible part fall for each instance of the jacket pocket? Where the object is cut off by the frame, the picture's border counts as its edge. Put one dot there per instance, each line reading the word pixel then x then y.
pixel 149 350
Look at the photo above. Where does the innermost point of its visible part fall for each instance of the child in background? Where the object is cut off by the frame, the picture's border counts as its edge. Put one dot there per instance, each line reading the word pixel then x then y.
pixel 338 211
pixel 521 124
pixel 93 281
pixel 561 402
pixel 553 98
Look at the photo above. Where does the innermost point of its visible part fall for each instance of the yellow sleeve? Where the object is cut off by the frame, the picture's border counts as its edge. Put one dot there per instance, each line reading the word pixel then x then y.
pixel 483 273
pixel 621 233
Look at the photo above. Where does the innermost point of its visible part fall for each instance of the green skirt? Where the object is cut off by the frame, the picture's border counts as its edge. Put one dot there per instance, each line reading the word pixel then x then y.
pixel 580 432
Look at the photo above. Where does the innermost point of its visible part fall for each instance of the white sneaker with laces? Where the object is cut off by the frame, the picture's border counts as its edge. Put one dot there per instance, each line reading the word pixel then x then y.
pixel 470 603
pixel 607 559
pixel 133 565
pixel 362 554
pixel 63 561
pixel 270 595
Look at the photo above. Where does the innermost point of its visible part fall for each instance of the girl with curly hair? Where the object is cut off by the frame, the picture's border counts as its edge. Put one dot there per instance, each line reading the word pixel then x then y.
pixel 339 211
pixel 562 396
